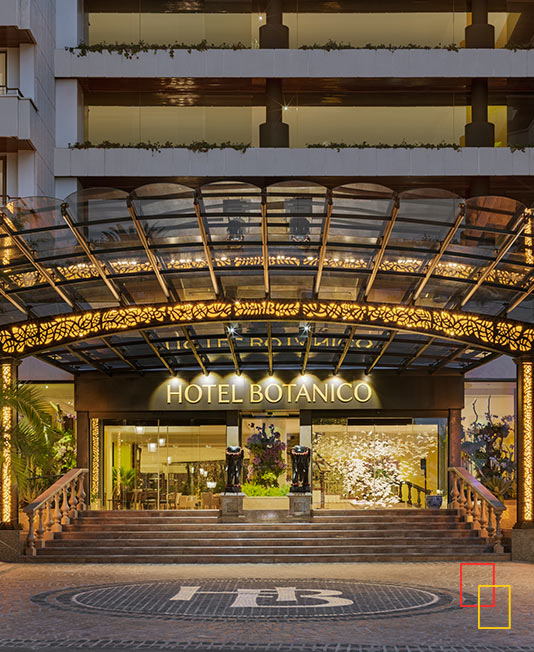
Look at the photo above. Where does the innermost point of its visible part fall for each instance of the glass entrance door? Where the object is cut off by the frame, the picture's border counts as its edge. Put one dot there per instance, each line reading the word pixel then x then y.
pixel 163 466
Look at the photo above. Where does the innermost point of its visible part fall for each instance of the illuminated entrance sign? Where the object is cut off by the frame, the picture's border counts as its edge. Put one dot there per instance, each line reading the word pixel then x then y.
pixel 240 392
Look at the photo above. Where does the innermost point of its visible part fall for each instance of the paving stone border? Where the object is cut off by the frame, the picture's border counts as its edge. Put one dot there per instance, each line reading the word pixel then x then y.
pixel 195 646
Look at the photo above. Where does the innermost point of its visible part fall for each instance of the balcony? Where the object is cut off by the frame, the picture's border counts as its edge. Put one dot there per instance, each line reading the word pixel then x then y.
pixel 15 120
pixel 362 63
pixel 15 22
pixel 294 163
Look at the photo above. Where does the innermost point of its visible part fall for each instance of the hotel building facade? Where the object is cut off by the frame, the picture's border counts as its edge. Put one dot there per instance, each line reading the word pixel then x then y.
pixel 224 219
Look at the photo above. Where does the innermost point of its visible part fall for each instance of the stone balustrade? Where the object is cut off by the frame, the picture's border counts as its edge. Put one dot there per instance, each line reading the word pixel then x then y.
pixel 59 505
pixel 477 505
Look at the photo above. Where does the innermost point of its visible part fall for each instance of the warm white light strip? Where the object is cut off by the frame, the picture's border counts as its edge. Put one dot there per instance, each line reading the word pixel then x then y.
pixel 95 458
pixel 7 424
pixel 528 442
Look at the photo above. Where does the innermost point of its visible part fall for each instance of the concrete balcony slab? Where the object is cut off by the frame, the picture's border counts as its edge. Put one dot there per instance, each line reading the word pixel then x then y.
pixel 16 119
pixel 300 63
pixel 294 163
pixel 16 23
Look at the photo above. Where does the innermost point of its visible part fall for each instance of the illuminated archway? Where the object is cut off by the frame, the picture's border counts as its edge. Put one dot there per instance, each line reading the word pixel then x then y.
pixel 495 334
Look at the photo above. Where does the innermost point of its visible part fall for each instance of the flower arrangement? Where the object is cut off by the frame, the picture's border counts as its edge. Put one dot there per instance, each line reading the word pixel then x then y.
pixel 484 446
pixel 266 456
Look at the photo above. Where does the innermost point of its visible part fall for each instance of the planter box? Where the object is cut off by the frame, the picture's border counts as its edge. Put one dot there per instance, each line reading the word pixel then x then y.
pixel 265 502
pixel 11 545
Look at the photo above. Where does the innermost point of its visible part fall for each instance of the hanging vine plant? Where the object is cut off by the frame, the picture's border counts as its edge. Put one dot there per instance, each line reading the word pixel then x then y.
pixel 195 146
pixel 132 50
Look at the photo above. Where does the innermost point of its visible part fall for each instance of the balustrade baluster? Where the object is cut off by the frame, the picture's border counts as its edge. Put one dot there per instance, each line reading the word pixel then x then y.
pixel 30 540
pixel 50 519
pixel 476 512
pixel 40 528
pixel 497 542
pixel 73 499
pixel 65 518
pixel 418 497
pixel 483 520
pixel 81 494
pixel 410 493
pixel 469 505
pixel 489 527
pixel 461 497
pixel 455 492
pixel 56 517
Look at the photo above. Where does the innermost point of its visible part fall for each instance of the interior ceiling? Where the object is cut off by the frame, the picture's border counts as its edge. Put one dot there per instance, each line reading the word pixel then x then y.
pixel 305 6
pixel 304 92
pixel 427 247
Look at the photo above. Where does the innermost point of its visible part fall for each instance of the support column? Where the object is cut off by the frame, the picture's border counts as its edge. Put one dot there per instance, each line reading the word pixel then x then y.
pixel 274 132
pixel 305 428
pixel 83 444
pixel 455 437
pixel 479 132
pixel 8 499
pixel 480 34
pixel 274 34
pixel 455 442
pixel 96 457
pixel 525 443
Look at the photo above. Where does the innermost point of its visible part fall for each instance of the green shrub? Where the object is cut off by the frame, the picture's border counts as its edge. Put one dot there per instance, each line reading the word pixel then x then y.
pixel 258 490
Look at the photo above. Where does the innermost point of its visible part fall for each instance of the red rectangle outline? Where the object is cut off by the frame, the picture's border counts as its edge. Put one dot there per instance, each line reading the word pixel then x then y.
pixel 461 583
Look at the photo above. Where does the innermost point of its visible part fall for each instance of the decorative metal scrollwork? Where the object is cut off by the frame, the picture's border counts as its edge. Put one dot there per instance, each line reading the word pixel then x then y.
pixel 483 332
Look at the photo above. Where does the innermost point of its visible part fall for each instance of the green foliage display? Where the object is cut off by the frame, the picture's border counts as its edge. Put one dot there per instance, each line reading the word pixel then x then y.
pixel 331 45
pixel 195 146
pixel 132 50
pixel 42 441
pixel 258 490
pixel 484 446
pixel 366 145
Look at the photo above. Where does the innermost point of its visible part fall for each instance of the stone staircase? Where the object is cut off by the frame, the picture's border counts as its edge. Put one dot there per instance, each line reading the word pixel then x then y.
pixel 331 536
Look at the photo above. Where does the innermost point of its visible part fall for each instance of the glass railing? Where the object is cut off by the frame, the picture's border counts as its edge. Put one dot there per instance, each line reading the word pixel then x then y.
pixel 514 26
pixel 309 125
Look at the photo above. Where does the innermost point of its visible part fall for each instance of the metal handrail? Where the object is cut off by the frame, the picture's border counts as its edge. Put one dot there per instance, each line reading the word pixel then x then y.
pixel 58 505
pixel 477 505
pixel 411 485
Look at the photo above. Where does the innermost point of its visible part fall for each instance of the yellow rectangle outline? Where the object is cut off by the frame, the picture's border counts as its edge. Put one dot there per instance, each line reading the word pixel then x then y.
pixel 496 586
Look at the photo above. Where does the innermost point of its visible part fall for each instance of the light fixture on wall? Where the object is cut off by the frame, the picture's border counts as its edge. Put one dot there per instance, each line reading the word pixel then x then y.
pixel 139 430
pixel 161 441
pixel 152 447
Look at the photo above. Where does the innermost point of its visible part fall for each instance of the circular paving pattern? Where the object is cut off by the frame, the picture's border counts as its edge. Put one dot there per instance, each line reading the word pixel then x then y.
pixel 249 599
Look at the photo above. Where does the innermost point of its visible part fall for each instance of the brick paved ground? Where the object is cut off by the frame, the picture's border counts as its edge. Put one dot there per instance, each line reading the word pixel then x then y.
pixel 24 623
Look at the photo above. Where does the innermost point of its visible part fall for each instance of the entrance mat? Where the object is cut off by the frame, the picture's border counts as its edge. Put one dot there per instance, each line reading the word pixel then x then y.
pixel 251 600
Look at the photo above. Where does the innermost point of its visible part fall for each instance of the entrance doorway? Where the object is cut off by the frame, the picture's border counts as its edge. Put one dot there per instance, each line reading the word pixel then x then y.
pixel 154 466
pixel 266 440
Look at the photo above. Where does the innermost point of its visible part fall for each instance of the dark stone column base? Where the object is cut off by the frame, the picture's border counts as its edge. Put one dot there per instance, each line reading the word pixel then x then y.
pixel 274 134
pixel 274 37
pixel 480 35
pixel 523 544
pixel 480 134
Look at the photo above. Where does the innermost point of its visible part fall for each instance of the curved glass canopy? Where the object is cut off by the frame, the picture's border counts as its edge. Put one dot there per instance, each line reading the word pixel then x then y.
pixel 292 240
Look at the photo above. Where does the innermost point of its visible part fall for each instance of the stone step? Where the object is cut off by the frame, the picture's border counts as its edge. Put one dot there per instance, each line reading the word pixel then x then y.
pixel 246 548
pixel 150 513
pixel 227 558
pixel 172 525
pixel 267 541
pixel 242 533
